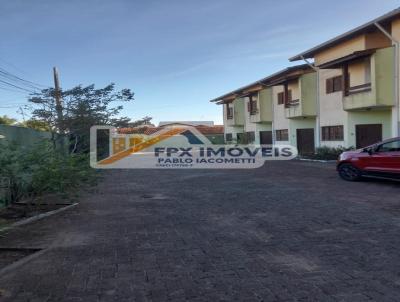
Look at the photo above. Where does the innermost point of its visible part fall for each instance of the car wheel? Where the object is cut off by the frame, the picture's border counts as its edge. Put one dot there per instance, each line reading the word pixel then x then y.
pixel 349 172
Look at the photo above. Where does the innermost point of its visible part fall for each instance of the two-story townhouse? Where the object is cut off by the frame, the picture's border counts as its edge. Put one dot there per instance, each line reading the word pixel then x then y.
pixel 294 106
pixel 247 114
pixel 277 109
pixel 357 72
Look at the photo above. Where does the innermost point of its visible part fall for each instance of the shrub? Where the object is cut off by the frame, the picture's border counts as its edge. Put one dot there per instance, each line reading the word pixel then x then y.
pixel 40 169
pixel 329 153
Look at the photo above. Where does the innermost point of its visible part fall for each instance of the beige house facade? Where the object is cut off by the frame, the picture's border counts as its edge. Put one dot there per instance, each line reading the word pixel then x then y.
pixel 345 94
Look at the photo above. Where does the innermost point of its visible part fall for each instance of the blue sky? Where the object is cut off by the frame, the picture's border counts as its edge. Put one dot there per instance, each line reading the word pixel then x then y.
pixel 175 55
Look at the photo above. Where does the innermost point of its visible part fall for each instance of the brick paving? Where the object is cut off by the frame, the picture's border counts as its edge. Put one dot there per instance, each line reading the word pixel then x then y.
pixel 290 231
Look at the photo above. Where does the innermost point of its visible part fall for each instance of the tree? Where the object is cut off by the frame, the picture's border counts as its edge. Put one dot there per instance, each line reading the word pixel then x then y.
pixel 146 121
pixel 35 124
pixel 83 107
pixel 5 120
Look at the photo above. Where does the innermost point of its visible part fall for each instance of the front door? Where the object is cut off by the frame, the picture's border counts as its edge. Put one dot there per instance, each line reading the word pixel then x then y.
pixel 266 137
pixel 367 135
pixel 305 141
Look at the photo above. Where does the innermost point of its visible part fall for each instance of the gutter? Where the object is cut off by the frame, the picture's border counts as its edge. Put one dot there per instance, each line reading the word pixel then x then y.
pixel 396 45
pixel 317 119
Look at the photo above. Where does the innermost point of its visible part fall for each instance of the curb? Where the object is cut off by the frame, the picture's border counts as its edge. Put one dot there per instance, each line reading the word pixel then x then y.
pixel 317 160
pixel 37 217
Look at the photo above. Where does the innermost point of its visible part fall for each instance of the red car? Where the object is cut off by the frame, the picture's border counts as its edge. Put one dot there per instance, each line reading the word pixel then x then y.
pixel 381 160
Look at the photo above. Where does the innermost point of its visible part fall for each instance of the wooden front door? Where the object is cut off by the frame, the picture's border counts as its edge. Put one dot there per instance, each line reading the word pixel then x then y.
pixel 367 135
pixel 305 141
pixel 266 137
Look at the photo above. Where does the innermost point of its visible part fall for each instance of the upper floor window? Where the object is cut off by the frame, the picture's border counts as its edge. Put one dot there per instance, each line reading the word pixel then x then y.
pixel 334 84
pixel 281 98
pixel 252 106
pixel 228 137
pixel 229 112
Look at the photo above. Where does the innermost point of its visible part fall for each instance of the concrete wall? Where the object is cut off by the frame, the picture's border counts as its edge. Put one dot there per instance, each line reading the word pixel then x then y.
pixel 21 135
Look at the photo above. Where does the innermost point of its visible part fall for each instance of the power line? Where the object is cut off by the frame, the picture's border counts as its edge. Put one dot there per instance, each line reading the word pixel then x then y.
pixel 16 86
pixel 20 80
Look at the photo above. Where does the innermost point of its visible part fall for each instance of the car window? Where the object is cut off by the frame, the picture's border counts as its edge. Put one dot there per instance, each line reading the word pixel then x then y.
pixel 390 147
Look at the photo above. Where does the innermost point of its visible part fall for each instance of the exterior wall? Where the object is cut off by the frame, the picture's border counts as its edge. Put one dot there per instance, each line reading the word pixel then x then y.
pixel 294 87
pixel 340 50
pixel 249 120
pixel 358 73
pixel 331 107
pixel 280 121
pixel 361 42
pixel 381 77
pixel 308 94
pixel 238 112
pixel 265 104
pixel 368 117
pixel 233 130
pixel 396 111
pixel 295 124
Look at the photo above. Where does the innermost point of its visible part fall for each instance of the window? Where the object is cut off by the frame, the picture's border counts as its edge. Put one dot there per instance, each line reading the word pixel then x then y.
pixel 228 137
pixel 229 112
pixel 332 133
pixel 252 106
pixel 334 84
pixel 239 137
pixel 249 137
pixel 390 147
pixel 281 98
pixel 282 135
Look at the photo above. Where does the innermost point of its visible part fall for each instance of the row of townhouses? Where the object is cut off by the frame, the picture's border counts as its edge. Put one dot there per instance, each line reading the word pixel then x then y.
pixel 344 93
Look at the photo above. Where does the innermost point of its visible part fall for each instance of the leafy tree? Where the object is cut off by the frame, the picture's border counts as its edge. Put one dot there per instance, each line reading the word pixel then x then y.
pixel 83 107
pixel 35 124
pixel 5 120
pixel 146 121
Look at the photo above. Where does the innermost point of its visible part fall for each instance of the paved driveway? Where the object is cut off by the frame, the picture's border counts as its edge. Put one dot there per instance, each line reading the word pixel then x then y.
pixel 290 231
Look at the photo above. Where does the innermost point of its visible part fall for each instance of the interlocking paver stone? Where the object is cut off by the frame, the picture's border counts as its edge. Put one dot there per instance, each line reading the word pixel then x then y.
pixel 290 231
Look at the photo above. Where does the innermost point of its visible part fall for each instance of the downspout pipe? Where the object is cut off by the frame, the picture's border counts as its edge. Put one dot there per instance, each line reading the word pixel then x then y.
pixel 317 119
pixel 395 115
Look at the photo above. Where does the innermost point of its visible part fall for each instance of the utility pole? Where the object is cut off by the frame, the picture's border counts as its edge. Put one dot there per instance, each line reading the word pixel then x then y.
pixel 59 109
pixel 59 104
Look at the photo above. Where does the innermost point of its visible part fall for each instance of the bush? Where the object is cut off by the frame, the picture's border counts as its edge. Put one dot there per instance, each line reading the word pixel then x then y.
pixel 40 169
pixel 329 153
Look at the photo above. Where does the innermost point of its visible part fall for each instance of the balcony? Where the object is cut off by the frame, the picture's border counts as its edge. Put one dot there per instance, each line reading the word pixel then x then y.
pixel 262 112
pixel 305 105
pixel 235 116
pixel 379 92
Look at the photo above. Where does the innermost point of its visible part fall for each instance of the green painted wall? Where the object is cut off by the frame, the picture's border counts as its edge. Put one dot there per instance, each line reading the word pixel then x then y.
pixel 238 107
pixel 382 83
pixel 308 84
pixel 368 117
pixel 265 100
pixel 384 75
pixel 295 124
